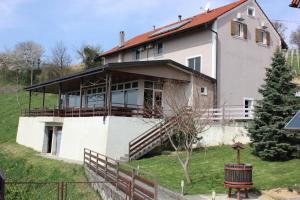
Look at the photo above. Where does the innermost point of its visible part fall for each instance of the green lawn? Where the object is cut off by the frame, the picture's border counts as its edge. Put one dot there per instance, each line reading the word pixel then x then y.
pixel 207 170
pixel 23 164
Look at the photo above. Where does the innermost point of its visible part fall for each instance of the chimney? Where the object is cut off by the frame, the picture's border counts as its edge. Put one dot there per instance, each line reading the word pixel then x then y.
pixel 154 27
pixel 121 38
pixel 179 17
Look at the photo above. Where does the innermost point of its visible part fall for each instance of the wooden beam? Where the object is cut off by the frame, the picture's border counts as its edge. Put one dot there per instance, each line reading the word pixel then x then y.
pixel 43 97
pixel 108 103
pixel 29 105
pixel 80 94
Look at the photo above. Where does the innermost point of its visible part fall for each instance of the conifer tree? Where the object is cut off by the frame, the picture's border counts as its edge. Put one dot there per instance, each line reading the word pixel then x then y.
pixel 269 139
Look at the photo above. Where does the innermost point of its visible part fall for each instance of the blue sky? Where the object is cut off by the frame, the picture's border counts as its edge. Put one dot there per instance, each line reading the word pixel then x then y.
pixel 77 22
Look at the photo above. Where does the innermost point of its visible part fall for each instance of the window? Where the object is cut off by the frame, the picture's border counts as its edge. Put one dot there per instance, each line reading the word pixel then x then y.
pixel 239 29
pixel 204 91
pixel 159 48
pixel 195 63
pixel 137 55
pixel 262 37
pixel 251 11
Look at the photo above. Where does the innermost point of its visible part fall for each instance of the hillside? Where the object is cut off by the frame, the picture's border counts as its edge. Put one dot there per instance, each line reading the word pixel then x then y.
pixel 23 164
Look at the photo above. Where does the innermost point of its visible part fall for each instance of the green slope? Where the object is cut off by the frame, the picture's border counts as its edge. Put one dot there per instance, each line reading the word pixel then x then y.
pixel 23 164
pixel 207 170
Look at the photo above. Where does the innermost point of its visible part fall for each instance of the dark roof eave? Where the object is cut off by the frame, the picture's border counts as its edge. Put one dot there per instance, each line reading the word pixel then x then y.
pixel 112 66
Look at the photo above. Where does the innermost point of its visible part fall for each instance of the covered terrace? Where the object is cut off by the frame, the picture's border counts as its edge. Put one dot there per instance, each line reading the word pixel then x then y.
pixel 118 89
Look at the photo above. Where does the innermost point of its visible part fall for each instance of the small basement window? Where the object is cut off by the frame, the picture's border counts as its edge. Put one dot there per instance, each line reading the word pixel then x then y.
pixel 204 91
pixel 251 11
pixel 195 63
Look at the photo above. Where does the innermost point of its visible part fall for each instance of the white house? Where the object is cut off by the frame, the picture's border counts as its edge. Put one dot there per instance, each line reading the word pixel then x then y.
pixel 110 108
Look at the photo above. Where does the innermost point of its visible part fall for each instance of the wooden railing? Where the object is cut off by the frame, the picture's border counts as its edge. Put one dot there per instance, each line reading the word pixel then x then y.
pixel 157 132
pixel 129 182
pixel 90 112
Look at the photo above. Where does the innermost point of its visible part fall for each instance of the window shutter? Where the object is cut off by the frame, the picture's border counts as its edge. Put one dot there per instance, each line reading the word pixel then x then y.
pixel 257 35
pixel 245 31
pixel 268 38
pixel 233 27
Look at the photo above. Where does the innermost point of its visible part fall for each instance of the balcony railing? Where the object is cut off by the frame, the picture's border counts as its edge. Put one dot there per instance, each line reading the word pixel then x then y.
pixel 130 111
pixel 224 113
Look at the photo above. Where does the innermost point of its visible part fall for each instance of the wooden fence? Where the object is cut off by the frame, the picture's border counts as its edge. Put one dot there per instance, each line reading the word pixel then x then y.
pixel 2 185
pixel 133 185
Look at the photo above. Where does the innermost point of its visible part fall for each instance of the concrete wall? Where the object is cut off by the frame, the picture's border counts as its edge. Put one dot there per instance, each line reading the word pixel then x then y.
pixel 225 135
pixel 110 137
pixel 177 48
pixel 31 131
pixel 122 130
pixel 242 63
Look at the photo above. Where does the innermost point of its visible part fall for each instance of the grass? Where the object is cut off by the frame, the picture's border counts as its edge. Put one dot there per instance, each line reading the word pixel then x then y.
pixel 23 164
pixel 207 170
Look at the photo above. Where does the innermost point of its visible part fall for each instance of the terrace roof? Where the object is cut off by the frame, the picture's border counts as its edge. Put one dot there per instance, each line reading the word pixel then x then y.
pixel 124 71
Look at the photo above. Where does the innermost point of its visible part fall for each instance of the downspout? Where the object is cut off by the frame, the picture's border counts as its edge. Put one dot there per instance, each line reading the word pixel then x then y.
pixel 215 64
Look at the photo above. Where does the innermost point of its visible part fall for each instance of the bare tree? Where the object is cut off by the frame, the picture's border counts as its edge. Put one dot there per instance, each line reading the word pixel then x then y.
pixel 281 28
pixel 193 118
pixel 60 56
pixel 295 37
pixel 29 54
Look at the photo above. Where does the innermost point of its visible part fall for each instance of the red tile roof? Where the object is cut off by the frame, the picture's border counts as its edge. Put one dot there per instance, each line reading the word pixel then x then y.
pixel 295 3
pixel 196 21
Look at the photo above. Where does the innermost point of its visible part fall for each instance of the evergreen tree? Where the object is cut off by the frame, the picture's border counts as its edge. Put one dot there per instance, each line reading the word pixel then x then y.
pixel 269 139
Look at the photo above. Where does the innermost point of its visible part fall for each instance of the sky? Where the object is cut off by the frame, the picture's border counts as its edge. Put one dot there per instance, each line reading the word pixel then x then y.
pixel 98 22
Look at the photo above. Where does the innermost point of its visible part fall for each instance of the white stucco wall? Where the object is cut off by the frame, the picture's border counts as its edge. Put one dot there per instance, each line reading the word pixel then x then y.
pixel 83 132
pixel 225 135
pixel 110 137
pixel 31 131
pixel 122 130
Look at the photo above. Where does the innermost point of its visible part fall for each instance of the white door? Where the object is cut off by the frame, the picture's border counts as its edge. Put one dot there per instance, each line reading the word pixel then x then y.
pixel 58 141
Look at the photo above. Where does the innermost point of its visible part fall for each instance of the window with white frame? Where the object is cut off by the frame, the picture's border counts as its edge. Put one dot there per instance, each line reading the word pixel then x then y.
pixel 251 11
pixel 204 91
pixel 195 63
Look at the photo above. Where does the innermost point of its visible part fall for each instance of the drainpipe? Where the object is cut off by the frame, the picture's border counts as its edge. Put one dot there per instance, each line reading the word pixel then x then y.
pixel 215 63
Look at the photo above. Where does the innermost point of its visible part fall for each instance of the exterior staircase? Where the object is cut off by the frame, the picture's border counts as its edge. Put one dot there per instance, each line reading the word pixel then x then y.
pixel 150 139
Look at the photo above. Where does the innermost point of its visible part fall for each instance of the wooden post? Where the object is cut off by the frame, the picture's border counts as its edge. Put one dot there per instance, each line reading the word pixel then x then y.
pixel 132 184
pixel 43 98
pixel 2 186
pixel 59 99
pixel 29 105
pixel 80 93
pixel 108 93
pixel 117 177
pixel 105 168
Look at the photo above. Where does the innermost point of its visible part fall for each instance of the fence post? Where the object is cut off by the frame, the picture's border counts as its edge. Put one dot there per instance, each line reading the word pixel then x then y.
pixel 132 184
pixel 117 176
pixel 62 191
pixel 105 167
pixel 2 185
pixel 155 189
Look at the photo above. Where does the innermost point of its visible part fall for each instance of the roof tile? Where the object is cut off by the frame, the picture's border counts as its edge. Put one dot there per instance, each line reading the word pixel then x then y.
pixel 196 20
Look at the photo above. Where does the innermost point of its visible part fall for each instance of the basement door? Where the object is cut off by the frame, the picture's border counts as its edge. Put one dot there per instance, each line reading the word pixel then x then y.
pixel 58 141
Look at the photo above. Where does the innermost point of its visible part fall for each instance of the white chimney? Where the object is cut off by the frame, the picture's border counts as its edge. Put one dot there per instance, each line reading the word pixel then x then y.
pixel 121 38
